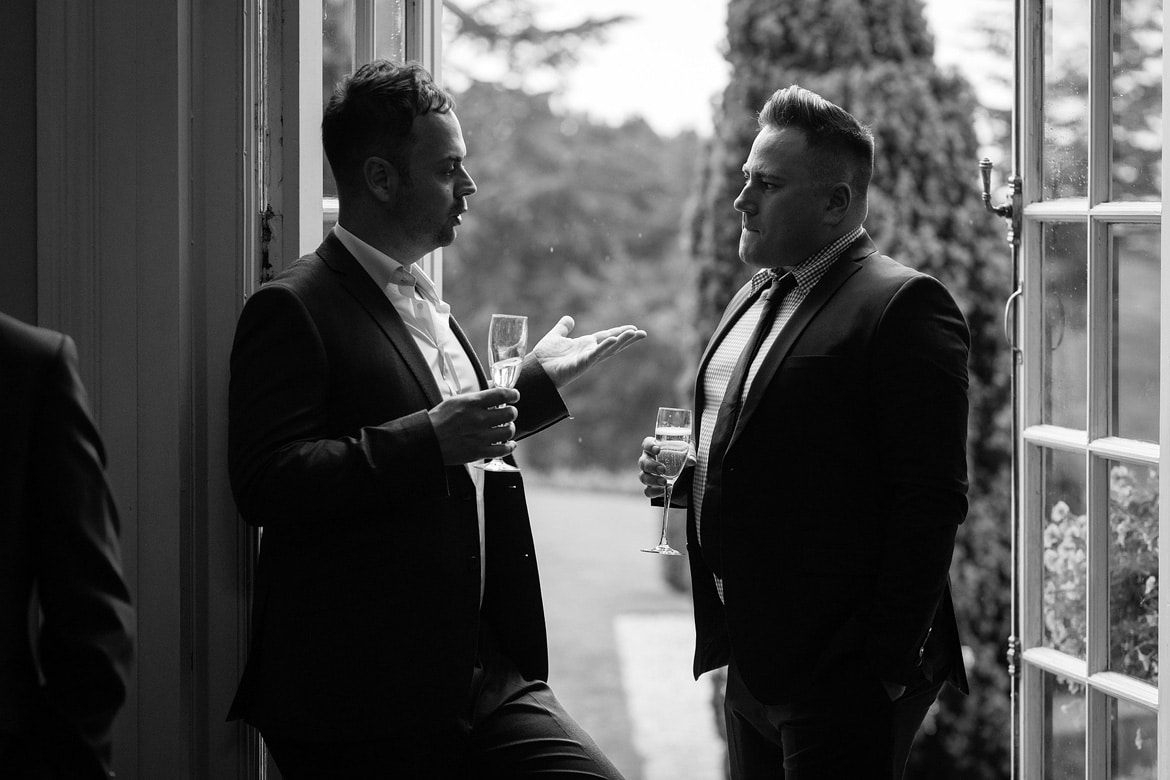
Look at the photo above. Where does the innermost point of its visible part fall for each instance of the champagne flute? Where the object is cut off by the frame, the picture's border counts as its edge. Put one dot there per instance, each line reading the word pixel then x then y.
pixel 507 345
pixel 673 432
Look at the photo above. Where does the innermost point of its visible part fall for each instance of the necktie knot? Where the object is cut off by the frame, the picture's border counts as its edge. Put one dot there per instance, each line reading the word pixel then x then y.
pixel 772 282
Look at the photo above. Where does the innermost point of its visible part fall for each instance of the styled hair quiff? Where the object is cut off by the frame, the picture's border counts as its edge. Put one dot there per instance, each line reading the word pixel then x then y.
pixel 842 145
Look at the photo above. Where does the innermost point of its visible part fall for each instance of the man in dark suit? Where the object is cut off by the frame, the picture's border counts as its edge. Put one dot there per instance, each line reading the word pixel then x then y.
pixel 398 623
pixel 830 474
pixel 64 665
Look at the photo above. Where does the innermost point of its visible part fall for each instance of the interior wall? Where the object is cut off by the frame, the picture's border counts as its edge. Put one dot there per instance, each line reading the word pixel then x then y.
pixel 142 116
pixel 18 163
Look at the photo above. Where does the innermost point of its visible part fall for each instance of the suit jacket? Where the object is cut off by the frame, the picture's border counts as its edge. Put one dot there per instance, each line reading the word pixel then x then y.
pixel 367 594
pixel 842 487
pixel 64 668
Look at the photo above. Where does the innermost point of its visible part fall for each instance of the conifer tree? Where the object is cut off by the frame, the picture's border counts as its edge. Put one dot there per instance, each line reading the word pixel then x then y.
pixel 875 59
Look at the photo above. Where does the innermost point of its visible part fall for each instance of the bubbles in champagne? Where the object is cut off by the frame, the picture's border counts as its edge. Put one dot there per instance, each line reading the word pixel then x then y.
pixel 673 456
pixel 506 372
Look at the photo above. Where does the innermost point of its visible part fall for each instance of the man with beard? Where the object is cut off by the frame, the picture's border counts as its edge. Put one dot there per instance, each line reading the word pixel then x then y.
pixel 830 475
pixel 399 630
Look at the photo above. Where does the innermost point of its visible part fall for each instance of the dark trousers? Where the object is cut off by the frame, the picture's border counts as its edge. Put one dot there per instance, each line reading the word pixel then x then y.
pixel 856 733
pixel 515 728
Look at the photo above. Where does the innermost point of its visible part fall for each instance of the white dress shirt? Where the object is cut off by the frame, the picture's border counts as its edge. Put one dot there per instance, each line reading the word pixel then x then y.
pixel 428 320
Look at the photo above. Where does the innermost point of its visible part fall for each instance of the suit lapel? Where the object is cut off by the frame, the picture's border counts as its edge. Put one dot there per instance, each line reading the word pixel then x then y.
pixel 848 264
pixel 478 366
pixel 365 291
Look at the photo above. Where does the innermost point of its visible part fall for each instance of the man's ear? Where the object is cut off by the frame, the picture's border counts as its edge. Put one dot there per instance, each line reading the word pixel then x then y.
pixel 380 178
pixel 840 202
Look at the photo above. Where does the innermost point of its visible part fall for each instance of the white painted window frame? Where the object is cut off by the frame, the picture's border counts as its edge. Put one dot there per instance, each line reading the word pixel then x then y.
pixel 297 201
pixel 1094 443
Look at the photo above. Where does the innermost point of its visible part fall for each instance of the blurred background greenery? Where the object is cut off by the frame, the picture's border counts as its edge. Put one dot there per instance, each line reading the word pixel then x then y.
pixel 618 224
pixel 622 222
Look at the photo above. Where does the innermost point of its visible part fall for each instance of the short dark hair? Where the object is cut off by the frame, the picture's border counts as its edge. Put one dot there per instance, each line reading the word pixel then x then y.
pixel 832 133
pixel 371 113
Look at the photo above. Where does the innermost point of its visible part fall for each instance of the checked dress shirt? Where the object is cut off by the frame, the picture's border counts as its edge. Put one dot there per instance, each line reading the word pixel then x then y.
pixel 722 362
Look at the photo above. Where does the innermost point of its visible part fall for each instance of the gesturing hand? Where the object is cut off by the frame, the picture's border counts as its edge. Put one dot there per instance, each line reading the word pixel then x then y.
pixel 564 359
pixel 475 426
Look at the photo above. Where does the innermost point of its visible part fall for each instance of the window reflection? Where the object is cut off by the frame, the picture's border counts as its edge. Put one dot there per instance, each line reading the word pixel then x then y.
pixel 1065 552
pixel 1133 748
pixel 353 33
pixel 1133 571
pixel 1134 253
pixel 1064 350
pixel 1137 100
pixel 1064 729
pixel 1066 101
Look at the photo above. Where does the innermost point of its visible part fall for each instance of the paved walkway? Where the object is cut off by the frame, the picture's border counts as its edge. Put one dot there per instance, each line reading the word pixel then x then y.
pixel 620 639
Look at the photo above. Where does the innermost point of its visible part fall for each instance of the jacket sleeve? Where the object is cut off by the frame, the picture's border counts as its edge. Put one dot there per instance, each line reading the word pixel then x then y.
pixel 540 403
pixel 86 638
pixel 920 411
pixel 284 465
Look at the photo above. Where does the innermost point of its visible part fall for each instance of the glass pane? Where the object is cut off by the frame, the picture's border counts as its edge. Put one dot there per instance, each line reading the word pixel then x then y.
pixel 390 30
pixel 1064 352
pixel 1066 98
pixel 1064 729
pixel 1065 551
pixel 1136 263
pixel 1137 99
pixel 1133 570
pixel 341 26
pixel 1133 748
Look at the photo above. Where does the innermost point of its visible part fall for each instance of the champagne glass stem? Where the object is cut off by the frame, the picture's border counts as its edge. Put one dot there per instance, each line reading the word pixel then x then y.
pixel 666 511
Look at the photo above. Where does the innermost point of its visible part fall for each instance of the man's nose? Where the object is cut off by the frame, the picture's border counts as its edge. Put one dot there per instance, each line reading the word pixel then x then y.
pixel 468 189
pixel 744 203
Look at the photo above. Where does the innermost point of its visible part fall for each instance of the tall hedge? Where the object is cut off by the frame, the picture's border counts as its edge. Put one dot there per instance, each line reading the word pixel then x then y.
pixel 875 59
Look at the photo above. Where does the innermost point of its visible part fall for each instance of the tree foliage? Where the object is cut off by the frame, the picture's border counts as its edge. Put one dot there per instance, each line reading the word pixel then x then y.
pixel 576 217
pixel 874 58
pixel 511 31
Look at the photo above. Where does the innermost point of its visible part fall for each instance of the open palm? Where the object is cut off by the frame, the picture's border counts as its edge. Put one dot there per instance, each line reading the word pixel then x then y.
pixel 564 359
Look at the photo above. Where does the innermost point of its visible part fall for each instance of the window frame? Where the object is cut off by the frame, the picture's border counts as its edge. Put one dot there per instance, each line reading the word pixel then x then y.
pixel 1094 443
pixel 294 183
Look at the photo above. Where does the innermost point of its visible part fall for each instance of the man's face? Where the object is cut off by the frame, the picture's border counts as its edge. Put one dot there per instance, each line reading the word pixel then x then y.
pixel 782 203
pixel 432 198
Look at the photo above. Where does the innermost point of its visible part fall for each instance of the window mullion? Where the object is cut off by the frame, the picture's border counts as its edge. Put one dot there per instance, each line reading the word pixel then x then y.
pixel 1028 709
pixel 1100 102
pixel 364 27
pixel 424 43
pixel 1097 620
pixel 1100 385
pixel 1164 474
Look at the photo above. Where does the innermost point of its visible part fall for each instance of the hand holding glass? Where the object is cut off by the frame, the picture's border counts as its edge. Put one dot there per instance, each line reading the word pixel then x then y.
pixel 673 432
pixel 507 345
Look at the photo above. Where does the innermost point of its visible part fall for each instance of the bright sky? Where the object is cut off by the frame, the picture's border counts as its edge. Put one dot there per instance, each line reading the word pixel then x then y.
pixel 666 65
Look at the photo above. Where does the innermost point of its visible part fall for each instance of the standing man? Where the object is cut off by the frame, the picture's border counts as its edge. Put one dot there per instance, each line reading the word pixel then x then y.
pixel 65 652
pixel 831 469
pixel 398 625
